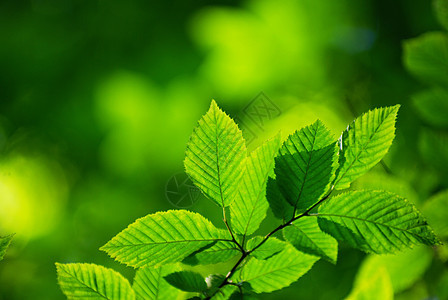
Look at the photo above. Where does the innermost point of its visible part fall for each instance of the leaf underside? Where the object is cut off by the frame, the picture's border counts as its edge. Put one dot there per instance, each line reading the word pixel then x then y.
pixel 162 238
pixel 375 221
pixel 215 156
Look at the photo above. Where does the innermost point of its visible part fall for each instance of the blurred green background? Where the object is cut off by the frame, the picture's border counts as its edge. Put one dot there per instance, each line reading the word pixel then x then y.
pixel 98 99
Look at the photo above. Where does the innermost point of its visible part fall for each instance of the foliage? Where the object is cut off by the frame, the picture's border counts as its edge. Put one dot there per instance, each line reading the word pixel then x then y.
pixel 303 172
pixel 4 244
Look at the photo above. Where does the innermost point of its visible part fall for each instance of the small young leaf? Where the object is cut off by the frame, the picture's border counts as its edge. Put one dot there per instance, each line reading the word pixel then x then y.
pixel 82 281
pixel 221 251
pixel 187 281
pixel 375 221
pixel 306 165
pixel 364 144
pixel 277 272
pixel 372 282
pixel 250 206
pixel 432 106
pixel 215 156
pixel 280 207
pixel 149 284
pixel 163 237
pixel 4 244
pixel 271 247
pixel 306 236
pixel 426 57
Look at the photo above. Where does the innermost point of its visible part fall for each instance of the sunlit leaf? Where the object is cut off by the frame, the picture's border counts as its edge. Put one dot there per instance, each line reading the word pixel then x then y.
pixel 305 165
pixel 215 156
pixel 277 272
pixel 149 284
pixel 271 247
pixel 220 251
pixel 250 206
pixel 375 221
pixel 163 237
pixel 372 283
pixel 306 236
pixel 364 144
pixel 89 281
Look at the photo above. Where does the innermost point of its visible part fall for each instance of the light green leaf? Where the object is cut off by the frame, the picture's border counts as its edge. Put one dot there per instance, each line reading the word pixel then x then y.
pixel 221 251
pixel 225 292
pixel 426 57
pixel 271 247
pixel 375 221
pixel 372 283
pixel 279 206
pixel 405 268
pixel 306 165
pixel 250 206
pixel 187 281
pixel 306 236
pixel 82 281
pixel 364 144
pixel 277 272
pixel 149 284
pixel 162 238
pixel 4 244
pixel 215 156
pixel 441 8
pixel 435 210
pixel 432 106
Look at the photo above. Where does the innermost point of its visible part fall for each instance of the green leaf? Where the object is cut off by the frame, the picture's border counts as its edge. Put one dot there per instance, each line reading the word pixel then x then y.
pixel 277 272
pixel 279 206
pixel 435 210
pixel 82 281
pixel 306 165
pixel 215 156
pixel 306 236
pixel 221 251
pixel 405 268
pixel 271 247
pixel 433 146
pixel 364 144
pixel 432 106
pixel 225 292
pixel 372 282
pixel 187 281
pixel 375 221
pixel 426 57
pixel 213 282
pixel 162 238
pixel 441 8
pixel 149 284
pixel 4 244
pixel 250 206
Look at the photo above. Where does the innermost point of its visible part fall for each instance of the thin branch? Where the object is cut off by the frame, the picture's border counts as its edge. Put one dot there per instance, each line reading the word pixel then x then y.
pixel 247 253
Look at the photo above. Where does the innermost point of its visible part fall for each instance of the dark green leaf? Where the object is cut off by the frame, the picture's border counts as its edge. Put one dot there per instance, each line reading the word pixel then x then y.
pixel 187 281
